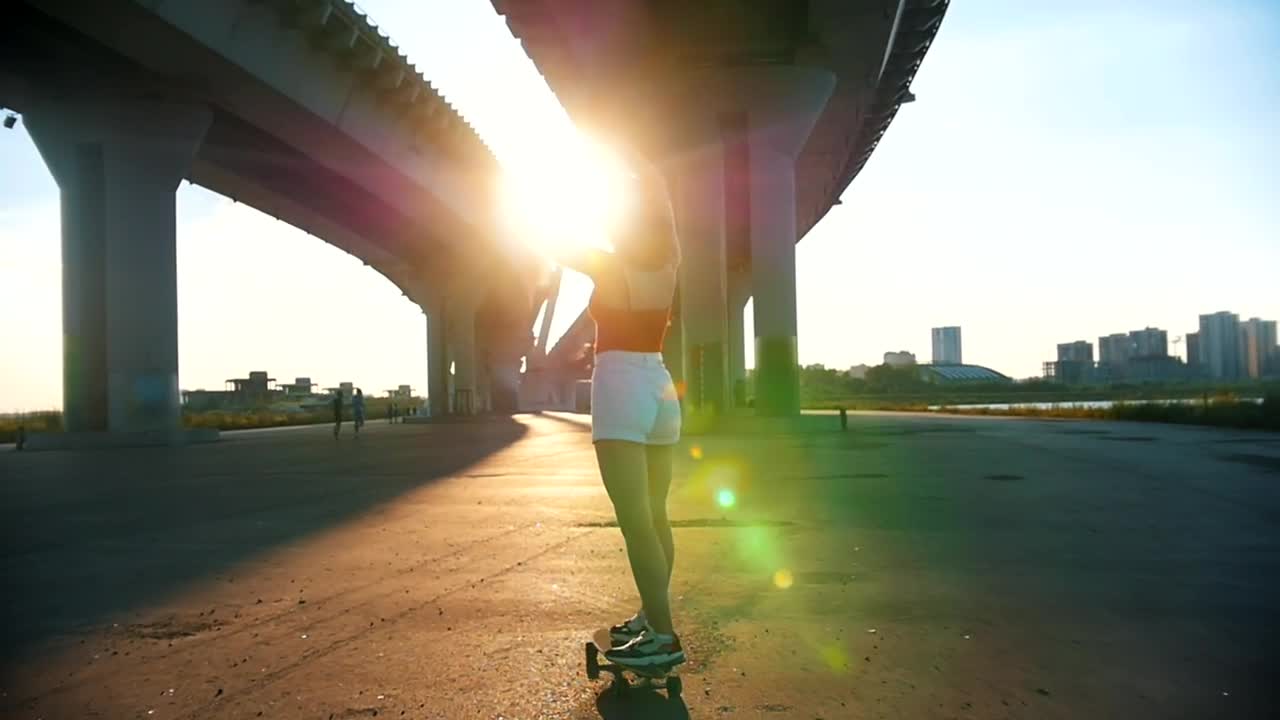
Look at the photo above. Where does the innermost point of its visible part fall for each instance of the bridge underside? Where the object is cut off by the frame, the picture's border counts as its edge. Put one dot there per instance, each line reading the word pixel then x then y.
pixel 159 106
pixel 759 114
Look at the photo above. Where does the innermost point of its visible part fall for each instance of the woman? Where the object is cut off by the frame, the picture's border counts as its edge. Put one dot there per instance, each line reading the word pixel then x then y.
pixel 635 413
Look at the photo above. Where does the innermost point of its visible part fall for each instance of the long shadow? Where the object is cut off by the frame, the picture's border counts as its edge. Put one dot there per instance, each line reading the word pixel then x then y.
pixel 640 704
pixel 581 421
pixel 88 535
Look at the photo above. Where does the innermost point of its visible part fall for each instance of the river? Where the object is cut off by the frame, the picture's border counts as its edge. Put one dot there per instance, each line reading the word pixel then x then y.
pixel 1083 403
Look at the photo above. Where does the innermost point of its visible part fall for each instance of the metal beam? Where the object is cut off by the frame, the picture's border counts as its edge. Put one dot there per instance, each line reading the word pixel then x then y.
pixel 553 295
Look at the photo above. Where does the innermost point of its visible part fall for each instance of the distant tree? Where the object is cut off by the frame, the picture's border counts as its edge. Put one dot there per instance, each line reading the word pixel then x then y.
pixel 889 379
pixel 817 382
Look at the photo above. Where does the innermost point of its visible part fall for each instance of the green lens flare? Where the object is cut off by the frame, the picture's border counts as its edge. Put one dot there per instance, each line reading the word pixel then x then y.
pixel 725 498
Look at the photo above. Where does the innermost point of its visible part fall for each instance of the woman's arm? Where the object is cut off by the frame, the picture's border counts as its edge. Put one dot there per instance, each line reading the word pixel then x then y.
pixel 588 261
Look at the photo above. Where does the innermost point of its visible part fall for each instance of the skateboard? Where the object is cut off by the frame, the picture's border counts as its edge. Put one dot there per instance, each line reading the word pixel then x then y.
pixel 660 677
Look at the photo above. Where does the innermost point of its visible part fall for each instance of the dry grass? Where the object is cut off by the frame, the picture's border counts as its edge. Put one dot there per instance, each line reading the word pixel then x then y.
pixel 51 420
pixel 1222 412
pixel 249 419
pixel 41 421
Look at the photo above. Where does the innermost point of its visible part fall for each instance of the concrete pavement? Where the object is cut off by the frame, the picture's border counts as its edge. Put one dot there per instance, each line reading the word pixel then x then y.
pixel 913 567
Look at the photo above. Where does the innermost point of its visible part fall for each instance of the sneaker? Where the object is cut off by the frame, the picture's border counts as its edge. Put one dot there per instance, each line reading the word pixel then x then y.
pixel 628 630
pixel 649 649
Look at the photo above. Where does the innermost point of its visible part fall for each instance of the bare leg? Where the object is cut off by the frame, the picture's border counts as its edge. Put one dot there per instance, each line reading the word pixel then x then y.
pixel 659 465
pixel 623 465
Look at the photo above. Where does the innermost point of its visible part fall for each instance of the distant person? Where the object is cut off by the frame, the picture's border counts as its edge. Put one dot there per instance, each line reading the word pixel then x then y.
pixel 357 410
pixel 390 412
pixel 635 410
pixel 337 413
pixel 395 412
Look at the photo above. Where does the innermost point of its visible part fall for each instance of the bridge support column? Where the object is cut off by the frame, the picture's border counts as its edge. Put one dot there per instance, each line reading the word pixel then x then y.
pixel 118 163
pixel 783 103
pixel 504 389
pixel 503 351
pixel 673 346
pixel 484 378
pixel 739 293
pixel 437 361
pixel 461 325
pixel 698 200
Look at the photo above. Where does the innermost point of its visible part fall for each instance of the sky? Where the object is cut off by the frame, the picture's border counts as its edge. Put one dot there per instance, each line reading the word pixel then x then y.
pixel 1069 170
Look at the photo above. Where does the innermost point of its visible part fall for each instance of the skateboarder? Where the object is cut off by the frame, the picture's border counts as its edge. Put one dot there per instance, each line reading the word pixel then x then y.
pixel 635 412
pixel 357 410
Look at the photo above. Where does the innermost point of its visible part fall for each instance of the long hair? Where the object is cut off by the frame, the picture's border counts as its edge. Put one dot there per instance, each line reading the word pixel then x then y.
pixel 648 237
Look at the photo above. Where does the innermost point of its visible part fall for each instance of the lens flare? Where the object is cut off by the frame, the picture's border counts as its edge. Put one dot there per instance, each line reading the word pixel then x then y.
pixel 695 452
pixel 782 579
pixel 754 544
pixel 725 498
pixel 836 659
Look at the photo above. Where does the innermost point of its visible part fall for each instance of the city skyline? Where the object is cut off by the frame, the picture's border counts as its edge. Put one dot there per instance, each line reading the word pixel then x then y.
pixel 1132 336
pixel 1164 342
pixel 1222 349
pixel 1131 145
pixel 1256 339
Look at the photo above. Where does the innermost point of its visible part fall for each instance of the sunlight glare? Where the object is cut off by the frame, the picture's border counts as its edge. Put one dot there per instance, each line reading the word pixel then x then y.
pixel 565 196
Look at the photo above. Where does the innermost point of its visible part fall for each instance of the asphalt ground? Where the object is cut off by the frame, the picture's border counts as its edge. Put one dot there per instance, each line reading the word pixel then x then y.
pixel 912 567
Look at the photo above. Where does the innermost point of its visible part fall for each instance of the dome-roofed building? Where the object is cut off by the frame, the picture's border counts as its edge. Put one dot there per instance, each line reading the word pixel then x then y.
pixel 961 374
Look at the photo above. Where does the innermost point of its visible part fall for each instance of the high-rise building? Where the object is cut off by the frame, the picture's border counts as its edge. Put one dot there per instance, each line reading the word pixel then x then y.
pixel 1259 337
pixel 1074 365
pixel 1149 342
pixel 1115 349
pixel 1078 351
pixel 1221 349
pixel 946 346
pixel 1193 349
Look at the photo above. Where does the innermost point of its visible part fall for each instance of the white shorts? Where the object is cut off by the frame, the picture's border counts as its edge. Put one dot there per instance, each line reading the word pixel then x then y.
pixel 633 399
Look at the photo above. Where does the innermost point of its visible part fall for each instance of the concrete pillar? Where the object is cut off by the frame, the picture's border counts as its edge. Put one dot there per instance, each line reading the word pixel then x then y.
pixel 504 348
pixel 437 361
pixel 739 293
pixel 673 345
pixel 504 389
pixel 461 325
pixel 118 162
pixel 783 104
pixel 698 189
pixel 773 270
pixel 484 377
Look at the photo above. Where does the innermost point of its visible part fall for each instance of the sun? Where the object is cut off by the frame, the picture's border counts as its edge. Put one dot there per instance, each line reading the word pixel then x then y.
pixel 565 197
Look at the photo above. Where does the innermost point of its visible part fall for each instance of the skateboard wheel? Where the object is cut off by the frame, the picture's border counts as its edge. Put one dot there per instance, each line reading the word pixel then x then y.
pixel 674 687
pixel 593 662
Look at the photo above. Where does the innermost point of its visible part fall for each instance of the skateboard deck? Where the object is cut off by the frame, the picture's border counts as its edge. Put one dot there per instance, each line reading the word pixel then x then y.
pixel 661 677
